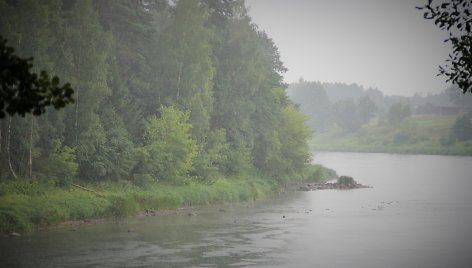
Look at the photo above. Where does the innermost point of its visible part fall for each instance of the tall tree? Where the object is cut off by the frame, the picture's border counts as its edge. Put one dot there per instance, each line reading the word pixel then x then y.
pixel 346 115
pixel 237 79
pixel 366 109
pixel 186 68
pixel 31 92
pixel 88 47
pixel 462 128
pixel 313 101
pixel 135 26
pixel 294 134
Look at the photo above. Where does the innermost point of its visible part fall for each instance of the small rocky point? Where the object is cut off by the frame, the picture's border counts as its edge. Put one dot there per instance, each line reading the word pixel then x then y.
pixel 329 186
pixel 343 183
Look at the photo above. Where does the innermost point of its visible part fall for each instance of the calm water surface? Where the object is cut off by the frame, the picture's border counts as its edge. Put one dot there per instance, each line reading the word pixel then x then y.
pixel 419 214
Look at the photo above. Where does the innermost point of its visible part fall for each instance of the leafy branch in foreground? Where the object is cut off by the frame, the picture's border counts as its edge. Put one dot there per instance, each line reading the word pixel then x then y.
pixel 23 92
pixel 455 17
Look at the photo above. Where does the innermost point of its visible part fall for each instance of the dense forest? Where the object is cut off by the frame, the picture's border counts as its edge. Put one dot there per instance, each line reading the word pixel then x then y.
pixel 164 91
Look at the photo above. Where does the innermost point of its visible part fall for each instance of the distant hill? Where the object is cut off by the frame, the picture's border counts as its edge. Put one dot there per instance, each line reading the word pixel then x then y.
pixel 317 99
pixel 351 118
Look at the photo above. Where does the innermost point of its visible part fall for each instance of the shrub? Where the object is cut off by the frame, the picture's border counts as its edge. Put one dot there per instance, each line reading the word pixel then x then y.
pixel 318 173
pixel 346 180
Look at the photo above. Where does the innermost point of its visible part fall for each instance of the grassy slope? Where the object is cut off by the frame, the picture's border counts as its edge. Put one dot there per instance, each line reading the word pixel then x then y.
pixel 417 135
pixel 28 205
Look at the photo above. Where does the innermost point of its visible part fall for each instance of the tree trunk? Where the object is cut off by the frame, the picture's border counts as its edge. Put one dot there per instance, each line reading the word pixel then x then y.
pixel 76 125
pixel 0 137
pixel 8 148
pixel 179 77
pixel 30 161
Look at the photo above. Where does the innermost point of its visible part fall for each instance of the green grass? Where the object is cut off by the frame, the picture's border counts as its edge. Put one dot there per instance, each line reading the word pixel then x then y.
pixel 25 206
pixel 416 135
pixel 50 206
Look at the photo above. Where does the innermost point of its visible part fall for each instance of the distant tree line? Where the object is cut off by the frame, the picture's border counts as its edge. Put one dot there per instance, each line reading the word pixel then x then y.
pixel 164 91
pixel 350 107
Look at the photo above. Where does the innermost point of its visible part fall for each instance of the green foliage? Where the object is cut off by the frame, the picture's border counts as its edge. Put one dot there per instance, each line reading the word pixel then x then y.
pixel 208 163
pixel 23 187
pixel 462 128
pixel 121 206
pixel 407 132
pixel 22 91
pixel 351 116
pixel 186 67
pixel 314 102
pixel 38 205
pixel 11 221
pixel 366 109
pixel 238 159
pixel 455 17
pixel 169 148
pixel 185 94
pixel 249 101
pixel 61 163
pixel 118 152
pixel 90 150
pixel 346 180
pixel 314 173
pixel 21 211
pixel 416 135
pixel 346 115
pixel 294 133
pixel 397 113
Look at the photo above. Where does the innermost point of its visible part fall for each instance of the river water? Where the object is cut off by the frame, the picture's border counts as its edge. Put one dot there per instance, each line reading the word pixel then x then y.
pixel 418 214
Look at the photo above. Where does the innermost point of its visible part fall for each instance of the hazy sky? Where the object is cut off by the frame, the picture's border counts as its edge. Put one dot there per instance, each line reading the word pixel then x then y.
pixel 375 43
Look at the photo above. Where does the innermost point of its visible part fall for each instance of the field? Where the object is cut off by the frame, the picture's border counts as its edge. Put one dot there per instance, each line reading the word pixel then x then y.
pixel 415 135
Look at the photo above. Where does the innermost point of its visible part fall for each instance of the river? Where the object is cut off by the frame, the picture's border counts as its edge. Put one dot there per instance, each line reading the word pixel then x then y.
pixel 418 214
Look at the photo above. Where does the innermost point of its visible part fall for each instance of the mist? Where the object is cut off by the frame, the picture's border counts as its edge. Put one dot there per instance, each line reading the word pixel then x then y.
pixel 380 44
pixel 232 133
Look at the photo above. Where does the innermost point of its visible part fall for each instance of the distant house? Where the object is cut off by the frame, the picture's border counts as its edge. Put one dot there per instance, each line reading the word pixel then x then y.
pixel 429 108
pixel 450 110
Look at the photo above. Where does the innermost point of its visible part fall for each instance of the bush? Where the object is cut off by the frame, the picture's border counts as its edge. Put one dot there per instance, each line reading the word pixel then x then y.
pixel 121 206
pixel 346 180
pixel 401 138
pixel 13 222
pixel 318 173
pixel 462 128
pixel 446 141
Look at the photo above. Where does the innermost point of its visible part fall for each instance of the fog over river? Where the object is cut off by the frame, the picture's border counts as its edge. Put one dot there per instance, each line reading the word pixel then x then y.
pixel 418 214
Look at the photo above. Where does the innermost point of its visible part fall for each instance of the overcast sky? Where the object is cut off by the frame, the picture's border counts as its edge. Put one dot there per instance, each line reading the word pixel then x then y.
pixel 385 44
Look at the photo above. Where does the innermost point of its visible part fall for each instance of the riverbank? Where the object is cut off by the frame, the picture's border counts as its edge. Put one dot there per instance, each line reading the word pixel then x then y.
pixel 416 135
pixel 426 148
pixel 27 205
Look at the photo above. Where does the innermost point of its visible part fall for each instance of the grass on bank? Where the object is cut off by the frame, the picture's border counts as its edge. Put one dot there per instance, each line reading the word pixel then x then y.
pixel 26 205
pixel 416 135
